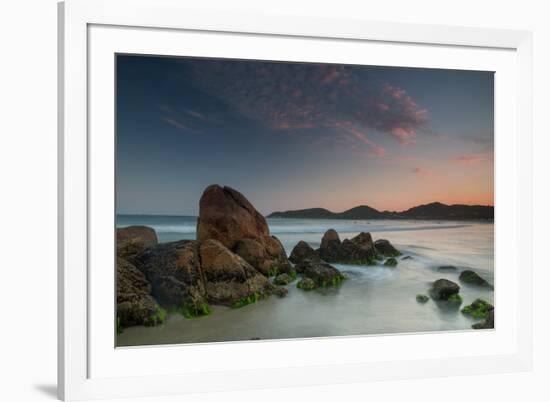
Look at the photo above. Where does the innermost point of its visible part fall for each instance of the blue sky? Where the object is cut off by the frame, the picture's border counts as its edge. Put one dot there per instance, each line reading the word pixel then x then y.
pixel 300 135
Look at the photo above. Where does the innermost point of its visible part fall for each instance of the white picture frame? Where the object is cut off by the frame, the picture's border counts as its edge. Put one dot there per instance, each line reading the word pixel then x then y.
pixel 91 31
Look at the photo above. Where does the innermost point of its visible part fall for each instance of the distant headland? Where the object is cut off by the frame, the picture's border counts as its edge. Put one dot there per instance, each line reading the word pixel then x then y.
pixel 432 211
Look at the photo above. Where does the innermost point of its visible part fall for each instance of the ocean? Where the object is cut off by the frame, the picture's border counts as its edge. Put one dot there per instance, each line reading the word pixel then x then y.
pixel 373 300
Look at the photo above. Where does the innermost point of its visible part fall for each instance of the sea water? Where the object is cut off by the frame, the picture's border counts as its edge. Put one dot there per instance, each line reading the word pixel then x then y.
pixel 373 300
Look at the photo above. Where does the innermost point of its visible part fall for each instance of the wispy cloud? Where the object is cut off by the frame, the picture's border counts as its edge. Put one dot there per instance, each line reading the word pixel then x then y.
pixel 470 159
pixel 421 171
pixel 183 119
pixel 176 124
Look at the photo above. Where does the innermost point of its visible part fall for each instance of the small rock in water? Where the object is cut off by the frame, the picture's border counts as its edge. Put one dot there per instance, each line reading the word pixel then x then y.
pixel 391 262
pixel 306 284
pixel 322 274
pixel 385 248
pixel 283 279
pixel 479 309
pixel 422 298
pixel 280 291
pixel 472 278
pixel 303 251
pixel 407 257
pixel 255 338
pixel 489 323
pixel 447 268
pixel 443 289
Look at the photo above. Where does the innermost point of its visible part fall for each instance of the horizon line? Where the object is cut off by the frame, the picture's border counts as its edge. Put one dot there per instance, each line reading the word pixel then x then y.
pixel 302 209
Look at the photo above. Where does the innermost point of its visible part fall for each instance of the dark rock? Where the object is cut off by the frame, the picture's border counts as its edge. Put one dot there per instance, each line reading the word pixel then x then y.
pixel 390 262
pixel 385 248
pixel 443 289
pixel 174 271
pixel 330 246
pixel 306 284
pixel 447 268
pixel 489 323
pixel 407 257
pixel 322 274
pixel 472 278
pixel 422 298
pixel 303 251
pixel 135 305
pixel 358 250
pixel 133 240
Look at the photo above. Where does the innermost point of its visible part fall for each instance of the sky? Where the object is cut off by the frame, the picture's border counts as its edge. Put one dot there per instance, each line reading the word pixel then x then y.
pixel 300 135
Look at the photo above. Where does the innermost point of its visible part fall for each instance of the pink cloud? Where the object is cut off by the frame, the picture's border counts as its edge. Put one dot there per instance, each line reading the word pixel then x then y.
pixel 421 171
pixel 469 159
pixel 288 96
pixel 360 136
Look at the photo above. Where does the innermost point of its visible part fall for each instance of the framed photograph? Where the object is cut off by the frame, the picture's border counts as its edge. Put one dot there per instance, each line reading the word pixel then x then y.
pixel 251 201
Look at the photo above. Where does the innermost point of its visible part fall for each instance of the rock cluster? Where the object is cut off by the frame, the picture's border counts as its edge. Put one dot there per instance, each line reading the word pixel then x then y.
pixel 229 263
pixel 359 250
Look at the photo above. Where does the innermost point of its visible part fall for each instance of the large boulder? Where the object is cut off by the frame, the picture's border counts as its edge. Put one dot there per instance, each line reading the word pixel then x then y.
pixel 472 278
pixel 303 251
pixel 135 306
pixel 444 289
pixel 133 240
pixel 320 272
pixel 228 277
pixel 385 248
pixel 227 216
pixel 174 271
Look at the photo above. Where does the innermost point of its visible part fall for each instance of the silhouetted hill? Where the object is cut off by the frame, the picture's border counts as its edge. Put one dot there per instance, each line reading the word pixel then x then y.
pixel 434 210
pixel 437 210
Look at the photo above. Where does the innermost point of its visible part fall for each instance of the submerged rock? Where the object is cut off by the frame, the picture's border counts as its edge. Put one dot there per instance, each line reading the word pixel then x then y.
pixel 443 289
pixel 385 248
pixel 390 262
pixel 135 305
pixel 472 278
pixel 407 257
pixel 489 322
pixel 284 279
pixel 280 291
pixel 320 272
pixel 133 240
pixel 447 268
pixel 422 298
pixel 306 284
pixel 303 251
pixel 479 309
